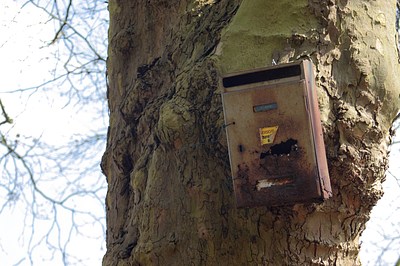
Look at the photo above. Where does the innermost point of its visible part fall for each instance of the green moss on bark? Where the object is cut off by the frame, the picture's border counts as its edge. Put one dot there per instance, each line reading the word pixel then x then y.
pixel 261 28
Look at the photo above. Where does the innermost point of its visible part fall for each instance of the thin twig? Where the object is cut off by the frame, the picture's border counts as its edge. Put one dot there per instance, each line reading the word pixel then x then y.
pixel 6 116
pixel 64 23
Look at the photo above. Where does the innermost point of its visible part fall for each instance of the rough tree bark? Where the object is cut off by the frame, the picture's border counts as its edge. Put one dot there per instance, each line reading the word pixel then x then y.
pixel 170 198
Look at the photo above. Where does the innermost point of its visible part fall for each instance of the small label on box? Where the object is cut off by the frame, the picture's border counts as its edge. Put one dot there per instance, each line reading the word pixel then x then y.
pixel 267 135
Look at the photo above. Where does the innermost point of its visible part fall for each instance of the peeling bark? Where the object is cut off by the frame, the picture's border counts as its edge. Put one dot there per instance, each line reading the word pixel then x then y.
pixel 170 198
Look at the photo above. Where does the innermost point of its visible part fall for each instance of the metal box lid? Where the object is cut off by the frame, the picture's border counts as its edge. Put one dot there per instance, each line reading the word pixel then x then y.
pixel 274 133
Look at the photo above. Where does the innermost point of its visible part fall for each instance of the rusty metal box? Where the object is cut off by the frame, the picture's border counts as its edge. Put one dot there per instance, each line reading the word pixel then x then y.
pixel 275 140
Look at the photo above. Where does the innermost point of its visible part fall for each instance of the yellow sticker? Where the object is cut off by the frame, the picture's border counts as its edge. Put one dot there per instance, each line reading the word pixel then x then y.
pixel 267 135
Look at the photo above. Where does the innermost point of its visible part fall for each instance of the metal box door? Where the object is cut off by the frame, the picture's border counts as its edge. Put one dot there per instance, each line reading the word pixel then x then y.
pixel 275 141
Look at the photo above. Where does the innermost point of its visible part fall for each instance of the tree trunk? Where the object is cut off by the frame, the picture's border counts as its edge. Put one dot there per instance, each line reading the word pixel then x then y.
pixel 170 199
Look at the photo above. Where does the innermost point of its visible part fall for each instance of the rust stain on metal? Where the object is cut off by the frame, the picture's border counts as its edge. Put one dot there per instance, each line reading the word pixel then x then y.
pixel 279 155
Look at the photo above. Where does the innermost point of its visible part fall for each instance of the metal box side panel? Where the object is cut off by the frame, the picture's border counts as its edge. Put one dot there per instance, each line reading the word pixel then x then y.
pixel 315 118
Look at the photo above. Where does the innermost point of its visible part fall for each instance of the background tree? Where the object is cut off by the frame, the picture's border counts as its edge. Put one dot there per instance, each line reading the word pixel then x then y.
pixel 170 197
pixel 51 189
